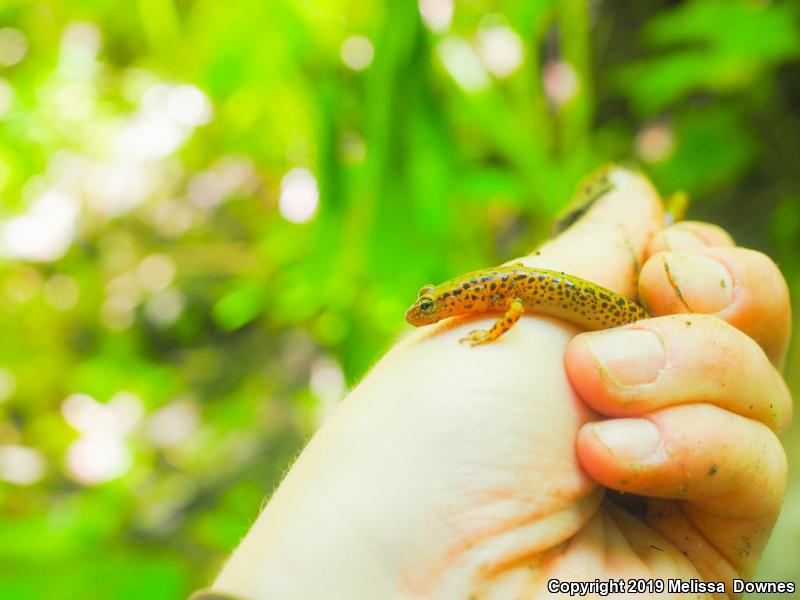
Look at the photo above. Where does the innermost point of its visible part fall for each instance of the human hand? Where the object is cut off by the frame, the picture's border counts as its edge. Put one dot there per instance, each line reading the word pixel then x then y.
pixel 696 398
pixel 452 472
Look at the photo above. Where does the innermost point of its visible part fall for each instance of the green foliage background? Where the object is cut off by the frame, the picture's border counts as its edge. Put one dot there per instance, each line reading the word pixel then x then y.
pixel 419 179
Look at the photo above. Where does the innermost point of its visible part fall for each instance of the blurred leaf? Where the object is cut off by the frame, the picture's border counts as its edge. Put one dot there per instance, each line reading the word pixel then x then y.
pixel 238 307
pixel 707 45
pixel 713 148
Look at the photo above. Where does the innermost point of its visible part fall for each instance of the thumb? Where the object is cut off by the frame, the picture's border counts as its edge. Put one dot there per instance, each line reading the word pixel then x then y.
pixel 607 244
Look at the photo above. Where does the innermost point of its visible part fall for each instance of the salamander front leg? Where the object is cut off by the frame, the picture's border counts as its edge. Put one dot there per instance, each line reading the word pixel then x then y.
pixel 503 324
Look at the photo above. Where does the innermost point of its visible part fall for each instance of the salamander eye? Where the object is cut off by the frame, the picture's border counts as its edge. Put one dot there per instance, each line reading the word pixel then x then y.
pixel 425 290
pixel 427 305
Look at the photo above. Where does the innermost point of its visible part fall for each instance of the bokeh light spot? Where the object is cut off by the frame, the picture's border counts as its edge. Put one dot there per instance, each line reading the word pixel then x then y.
pixel 327 383
pixel 21 465
pixel 116 312
pixel 97 458
pixel 164 308
pixel 81 39
pixel 61 292
pixel 22 285
pixel 13 46
pixel 299 197
pixel 501 49
pixel 85 414
pixel 156 272
pixel 127 409
pixel 174 423
pixel 189 106
pixel 437 15
pixel 45 232
pixel 655 143
pixel 463 64
pixel 561 82
pixel 357 52
pixel 115 187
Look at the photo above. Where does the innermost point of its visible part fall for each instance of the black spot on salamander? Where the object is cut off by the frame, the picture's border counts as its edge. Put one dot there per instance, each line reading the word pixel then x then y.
pixel 458 292
pixel 473 297
pixel 621 302
pixel 531 279
pixel 632 308
pixel 493 286
pixel 465 285
pixel 445 296
pixel 504 277
pixel 486 278
pixel 541 277
pixel 473 280
pixel 604 305
pixel 605 296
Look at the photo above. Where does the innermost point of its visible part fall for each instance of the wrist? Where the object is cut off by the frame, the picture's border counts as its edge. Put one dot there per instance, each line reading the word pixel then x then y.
pixel 304 545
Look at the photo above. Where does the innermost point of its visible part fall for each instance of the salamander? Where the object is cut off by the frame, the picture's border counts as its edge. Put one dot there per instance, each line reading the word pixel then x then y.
pixel 516 289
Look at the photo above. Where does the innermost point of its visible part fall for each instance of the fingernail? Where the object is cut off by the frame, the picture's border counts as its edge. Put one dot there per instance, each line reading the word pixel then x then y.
pixel 628 439
pixel 628 356
pixel 705 285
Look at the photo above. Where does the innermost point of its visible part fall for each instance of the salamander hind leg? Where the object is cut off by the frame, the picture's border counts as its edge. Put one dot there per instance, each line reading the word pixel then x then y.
pixel 503 324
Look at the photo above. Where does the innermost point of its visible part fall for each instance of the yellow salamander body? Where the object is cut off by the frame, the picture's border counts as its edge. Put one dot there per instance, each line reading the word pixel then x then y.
pixel 516 289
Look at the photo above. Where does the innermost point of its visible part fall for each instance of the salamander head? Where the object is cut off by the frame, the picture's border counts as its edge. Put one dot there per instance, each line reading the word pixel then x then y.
pixel 425 310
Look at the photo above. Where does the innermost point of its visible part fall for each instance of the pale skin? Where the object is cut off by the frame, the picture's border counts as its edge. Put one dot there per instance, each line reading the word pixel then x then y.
pixel 460 472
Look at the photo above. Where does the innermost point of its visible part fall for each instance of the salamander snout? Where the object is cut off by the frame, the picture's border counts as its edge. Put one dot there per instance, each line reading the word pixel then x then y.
pixel 423 311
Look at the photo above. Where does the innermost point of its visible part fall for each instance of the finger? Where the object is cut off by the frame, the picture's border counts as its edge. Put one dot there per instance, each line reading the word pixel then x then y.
pixel 729 471
pixel 689 235
pixel 673 360
pixel 607 244
pixel 742 287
